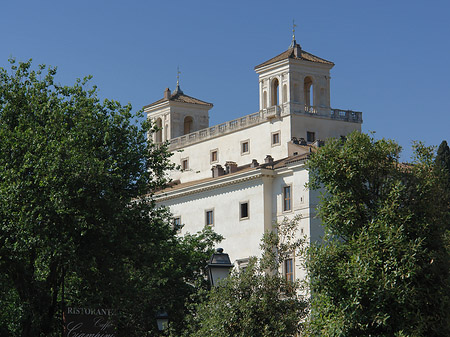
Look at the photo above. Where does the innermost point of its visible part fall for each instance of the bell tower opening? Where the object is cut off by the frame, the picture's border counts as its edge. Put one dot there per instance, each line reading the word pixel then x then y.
pixel 188 125
pixel 158 135
pixel 275 94
pixel 308 91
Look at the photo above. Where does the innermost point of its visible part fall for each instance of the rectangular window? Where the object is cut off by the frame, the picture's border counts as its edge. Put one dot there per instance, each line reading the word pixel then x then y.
pixel 286 198
pixel 243 210
pixel 310 136
pixel 185 164
pixel 177 224
pixel 289 270
pixel 209 217
pixel 276 138
pixel 214 156
pixel 245 147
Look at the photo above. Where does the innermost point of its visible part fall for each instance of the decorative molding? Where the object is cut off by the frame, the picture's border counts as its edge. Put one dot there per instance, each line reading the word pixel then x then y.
pixel 212 185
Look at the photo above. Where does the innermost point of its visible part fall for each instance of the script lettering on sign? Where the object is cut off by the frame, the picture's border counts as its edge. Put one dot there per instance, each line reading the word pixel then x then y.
pixel 89 322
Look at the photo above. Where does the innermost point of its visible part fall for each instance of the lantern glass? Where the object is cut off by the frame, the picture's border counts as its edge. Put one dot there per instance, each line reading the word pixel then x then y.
pixel 162 320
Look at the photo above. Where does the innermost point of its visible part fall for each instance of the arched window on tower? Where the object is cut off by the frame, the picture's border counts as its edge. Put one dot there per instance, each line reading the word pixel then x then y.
pixel 158 134
pixel 275 88
pixel 309 91
pixel 188 124
pixel 284 93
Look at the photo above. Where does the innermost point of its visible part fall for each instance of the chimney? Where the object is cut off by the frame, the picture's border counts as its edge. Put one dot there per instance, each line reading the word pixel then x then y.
pixel 167 93
pixel 268 159
pixel 230 167
pixel 217 171
pixel 254 163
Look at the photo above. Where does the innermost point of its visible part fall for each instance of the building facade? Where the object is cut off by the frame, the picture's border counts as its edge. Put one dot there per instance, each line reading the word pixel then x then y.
pixel 243 175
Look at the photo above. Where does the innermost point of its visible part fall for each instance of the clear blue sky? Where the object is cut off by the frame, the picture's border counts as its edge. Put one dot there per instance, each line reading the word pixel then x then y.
pixel 392 57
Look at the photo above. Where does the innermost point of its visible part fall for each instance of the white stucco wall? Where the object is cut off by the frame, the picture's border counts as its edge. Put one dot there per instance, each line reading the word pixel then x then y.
pixel 323 128
pixel 259 137
pixel 242 237
pixel 263 189
pixel 229 149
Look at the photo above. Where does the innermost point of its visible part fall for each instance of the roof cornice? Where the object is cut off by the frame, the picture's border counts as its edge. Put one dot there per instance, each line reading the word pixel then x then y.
pixel 215 183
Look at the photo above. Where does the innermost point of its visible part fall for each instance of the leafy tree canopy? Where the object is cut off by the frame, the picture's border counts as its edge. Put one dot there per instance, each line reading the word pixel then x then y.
pixel 73 175
pixel 258 301
pixel 383 267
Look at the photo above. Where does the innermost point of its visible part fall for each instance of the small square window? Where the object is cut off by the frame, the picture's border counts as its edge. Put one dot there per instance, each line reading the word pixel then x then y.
pixel 289 270
pixel 245 147
pixel 209 217
pixel 276 138
pixel 310 136
pixel 177 224
pixel 243 210
pixel 214 156
pixel 286 198
pixel 185 164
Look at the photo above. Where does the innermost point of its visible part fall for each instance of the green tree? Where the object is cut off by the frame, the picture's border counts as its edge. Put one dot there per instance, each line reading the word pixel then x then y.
pixel 258 301
pixel 442 162
pixel 383 267
pixel 77 178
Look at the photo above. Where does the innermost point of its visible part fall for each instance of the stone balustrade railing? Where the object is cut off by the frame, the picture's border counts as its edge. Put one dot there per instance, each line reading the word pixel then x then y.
pixel 262 116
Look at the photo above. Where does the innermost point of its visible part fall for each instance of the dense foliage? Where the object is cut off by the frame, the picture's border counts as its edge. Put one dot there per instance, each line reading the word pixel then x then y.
pixel 257 301
pixel 442 163
pixel 383 267
pixel 76 183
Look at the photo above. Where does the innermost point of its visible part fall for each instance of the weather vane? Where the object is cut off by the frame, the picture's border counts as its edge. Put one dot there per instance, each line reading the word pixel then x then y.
pixel 293 29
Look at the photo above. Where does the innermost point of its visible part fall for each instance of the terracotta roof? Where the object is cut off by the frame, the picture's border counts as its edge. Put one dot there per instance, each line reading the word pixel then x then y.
pixel 180 97
pixel 304 55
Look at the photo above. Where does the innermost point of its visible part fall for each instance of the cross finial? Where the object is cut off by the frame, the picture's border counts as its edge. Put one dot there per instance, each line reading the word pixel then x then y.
pixel 178 89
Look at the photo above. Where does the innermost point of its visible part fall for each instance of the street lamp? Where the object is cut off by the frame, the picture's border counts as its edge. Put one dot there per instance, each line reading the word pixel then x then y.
pixel 162 320
pixel 219 266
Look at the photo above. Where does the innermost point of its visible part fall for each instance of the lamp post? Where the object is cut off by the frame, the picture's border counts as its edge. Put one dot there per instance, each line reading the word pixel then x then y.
pixel 219 266
pixel 162 320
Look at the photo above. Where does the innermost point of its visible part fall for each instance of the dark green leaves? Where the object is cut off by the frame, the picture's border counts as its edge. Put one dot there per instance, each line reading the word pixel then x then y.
pixel 383 267
pixel 77 178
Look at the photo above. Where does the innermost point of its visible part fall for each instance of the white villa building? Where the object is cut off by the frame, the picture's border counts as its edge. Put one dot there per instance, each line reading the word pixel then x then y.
pixel 244 174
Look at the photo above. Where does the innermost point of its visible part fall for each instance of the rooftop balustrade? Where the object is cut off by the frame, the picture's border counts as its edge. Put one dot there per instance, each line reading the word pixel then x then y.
pixel 261 117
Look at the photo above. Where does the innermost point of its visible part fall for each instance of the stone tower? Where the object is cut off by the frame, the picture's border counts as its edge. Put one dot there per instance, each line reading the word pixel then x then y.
pixel 177 114
pixel 295 80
